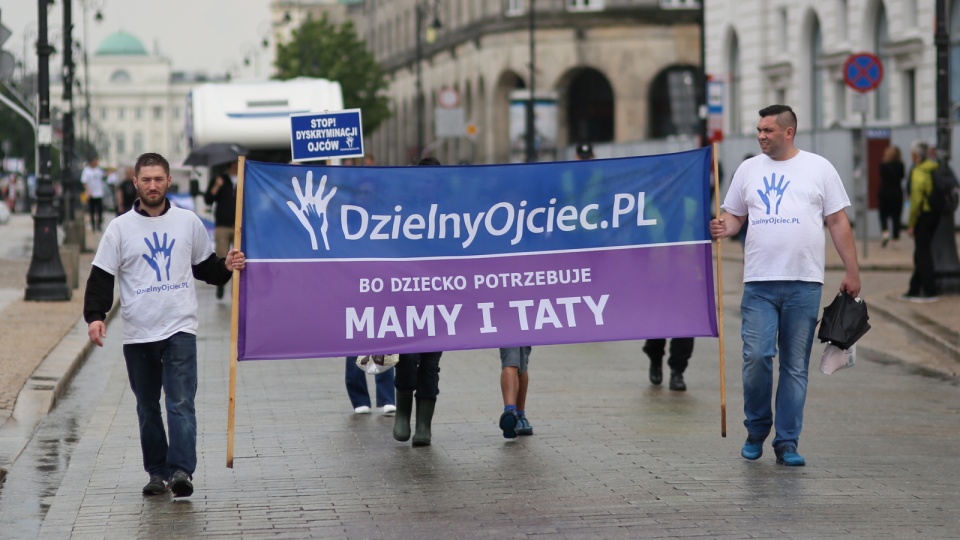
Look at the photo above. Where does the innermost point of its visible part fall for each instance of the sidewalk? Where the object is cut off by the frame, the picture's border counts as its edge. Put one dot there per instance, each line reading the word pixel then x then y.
pixel 612 456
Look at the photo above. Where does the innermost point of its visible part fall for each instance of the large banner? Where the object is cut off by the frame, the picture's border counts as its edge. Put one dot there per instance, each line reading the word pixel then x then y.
pixel 369 260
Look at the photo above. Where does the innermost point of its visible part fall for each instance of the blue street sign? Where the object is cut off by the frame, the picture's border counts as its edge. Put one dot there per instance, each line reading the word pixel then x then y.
pixel 863 72
pixel 326 135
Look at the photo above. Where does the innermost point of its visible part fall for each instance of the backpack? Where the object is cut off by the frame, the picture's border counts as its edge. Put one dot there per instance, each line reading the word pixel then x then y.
pixel 945 195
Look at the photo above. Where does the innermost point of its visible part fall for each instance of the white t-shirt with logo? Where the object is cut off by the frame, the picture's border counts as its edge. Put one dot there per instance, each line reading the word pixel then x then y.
pixel 785 203
pixel 153 257
pixel 92 178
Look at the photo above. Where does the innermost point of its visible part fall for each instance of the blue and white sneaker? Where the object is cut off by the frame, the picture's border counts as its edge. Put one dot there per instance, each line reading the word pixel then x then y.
pixel 508 423
pixel 523 426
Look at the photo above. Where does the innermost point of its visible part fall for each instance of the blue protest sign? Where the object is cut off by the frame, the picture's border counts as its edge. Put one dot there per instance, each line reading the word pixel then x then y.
pixel 326 135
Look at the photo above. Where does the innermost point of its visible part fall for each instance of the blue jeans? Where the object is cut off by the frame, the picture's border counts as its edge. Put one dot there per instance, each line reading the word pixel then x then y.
pixel 777 315
pixel 356 380
pixel 170 365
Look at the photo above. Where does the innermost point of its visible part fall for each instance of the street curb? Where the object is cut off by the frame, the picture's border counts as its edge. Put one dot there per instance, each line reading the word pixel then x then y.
pixel 43 389
pixel 922 327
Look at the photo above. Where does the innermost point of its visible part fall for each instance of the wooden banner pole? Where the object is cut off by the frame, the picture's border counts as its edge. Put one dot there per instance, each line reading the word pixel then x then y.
pixel 723 375
pixel 235 318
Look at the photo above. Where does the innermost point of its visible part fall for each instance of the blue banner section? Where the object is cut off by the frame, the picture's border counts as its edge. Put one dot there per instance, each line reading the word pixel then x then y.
pixel 329 213
pixel 315 136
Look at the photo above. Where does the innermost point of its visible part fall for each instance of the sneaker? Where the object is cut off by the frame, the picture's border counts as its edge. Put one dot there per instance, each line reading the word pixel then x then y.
pixel 752 448
pixel 363 409
pixel 508 423
pixel 389 410
pixel 181 485
pixel 156 486
pixel 787 455
pixel 523 426
pixel 676 382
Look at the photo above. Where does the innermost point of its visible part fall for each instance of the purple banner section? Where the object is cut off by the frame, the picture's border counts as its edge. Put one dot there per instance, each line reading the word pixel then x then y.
pixel 315 308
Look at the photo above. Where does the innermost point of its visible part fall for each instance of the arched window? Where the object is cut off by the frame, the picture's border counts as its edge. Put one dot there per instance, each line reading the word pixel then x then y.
pixel 881 35
pixel 120 76
pixel 674 96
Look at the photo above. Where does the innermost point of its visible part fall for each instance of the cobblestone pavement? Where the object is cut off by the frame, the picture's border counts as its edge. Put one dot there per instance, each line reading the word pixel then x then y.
pixel 612 456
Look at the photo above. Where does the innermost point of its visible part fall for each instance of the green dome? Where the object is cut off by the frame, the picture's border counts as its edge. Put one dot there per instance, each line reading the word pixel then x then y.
pixel 121 44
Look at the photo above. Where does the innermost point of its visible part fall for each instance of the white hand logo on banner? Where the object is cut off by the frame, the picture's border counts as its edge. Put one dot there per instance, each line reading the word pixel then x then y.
pixel 312 211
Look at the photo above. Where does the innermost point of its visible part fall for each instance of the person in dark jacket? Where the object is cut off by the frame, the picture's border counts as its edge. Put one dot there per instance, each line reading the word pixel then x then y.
pixel 891 195
pixel 222 194
pixel 420 373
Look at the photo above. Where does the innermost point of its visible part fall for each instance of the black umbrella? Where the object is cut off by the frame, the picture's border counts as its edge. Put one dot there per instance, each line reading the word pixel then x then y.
pixel 212 154
pixel 844 321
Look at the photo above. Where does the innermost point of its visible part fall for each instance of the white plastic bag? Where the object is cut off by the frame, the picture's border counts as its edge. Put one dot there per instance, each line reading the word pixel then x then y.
pixel 377 363
pixel 835 358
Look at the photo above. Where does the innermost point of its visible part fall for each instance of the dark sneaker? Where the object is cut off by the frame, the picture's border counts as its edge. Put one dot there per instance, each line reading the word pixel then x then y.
pixel 523 426
pixel 181 485
pixel 508 423
pixel 156 486
pixel 787 455
pixel 676 382
pixel 752 448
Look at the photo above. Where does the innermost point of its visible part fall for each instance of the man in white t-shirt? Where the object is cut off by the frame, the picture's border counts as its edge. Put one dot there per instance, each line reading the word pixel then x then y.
pixel 92 179
pixel 787 194
pixel 155 250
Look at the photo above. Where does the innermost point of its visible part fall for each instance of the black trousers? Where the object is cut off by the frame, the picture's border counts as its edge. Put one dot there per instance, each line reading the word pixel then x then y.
pixel 923 282
pixel 681 349
pixel 419 372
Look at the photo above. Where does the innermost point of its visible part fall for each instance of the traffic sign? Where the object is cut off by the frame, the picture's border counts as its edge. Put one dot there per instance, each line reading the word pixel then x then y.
pixel 863 72
pixel 325 135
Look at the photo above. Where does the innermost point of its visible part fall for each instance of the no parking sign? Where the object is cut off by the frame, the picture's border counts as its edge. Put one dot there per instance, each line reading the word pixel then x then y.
pixel 863 72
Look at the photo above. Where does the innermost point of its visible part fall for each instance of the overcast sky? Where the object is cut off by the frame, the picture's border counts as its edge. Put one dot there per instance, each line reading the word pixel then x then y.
pixel 196 35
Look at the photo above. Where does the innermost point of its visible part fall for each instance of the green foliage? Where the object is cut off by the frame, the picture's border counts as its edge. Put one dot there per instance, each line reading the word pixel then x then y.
pixel 320 49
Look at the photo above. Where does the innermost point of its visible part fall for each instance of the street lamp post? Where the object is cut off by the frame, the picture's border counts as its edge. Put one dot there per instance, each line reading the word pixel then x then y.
pixel 531 124
pixel 97 5
pixel 70 196
pixel 420 14
pixel 46 279
pixel 946 263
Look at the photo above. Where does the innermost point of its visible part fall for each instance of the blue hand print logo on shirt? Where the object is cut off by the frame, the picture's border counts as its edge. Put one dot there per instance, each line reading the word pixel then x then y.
pixel 160 255
pixel 772 192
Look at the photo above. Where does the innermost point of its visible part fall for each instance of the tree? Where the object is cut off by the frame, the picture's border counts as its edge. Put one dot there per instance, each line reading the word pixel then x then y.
pixel 320 49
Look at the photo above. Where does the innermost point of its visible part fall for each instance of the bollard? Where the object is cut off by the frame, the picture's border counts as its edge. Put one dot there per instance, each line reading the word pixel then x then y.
pixel 70 257
pixel 75 233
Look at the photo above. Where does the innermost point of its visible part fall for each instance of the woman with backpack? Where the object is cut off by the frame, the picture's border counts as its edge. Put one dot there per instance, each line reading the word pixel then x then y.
pixel 921 225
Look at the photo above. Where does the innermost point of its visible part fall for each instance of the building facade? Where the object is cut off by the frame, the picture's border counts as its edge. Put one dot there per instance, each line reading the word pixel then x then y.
pixel 606 71
pixel 136 102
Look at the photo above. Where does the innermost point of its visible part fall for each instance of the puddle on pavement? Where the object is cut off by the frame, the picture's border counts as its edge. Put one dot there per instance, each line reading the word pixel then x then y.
pixel 34 478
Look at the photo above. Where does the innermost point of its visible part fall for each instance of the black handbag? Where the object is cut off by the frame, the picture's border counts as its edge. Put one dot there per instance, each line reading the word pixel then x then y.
pixel 844 321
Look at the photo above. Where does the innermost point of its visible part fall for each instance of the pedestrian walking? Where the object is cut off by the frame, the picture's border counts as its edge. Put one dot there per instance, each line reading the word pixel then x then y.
pixel 417 377
pixel 222 194
pixel 159 309
pixel 891 195
pixel 93 183
pixel 921 225
pixel 126 192
pixel 787 194
pixel 514 380
pixel 681 349
pixel 355 379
